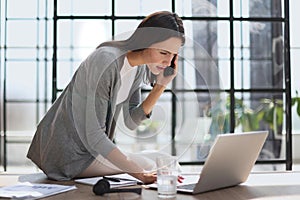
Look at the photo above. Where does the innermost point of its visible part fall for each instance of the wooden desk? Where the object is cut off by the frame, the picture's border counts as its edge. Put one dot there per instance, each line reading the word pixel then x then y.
pixel 265 186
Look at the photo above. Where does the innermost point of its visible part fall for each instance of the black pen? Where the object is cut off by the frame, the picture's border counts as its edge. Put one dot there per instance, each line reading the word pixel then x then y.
pixel 111 179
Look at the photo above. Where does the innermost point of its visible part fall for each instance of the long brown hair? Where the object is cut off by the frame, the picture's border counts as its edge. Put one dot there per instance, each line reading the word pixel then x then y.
pixel 154 28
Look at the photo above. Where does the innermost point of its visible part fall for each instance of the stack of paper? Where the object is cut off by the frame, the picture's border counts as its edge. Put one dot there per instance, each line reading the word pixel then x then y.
pixel 33 191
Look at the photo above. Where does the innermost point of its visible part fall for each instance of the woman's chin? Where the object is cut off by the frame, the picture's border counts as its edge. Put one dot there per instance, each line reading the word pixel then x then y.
pixel 156 72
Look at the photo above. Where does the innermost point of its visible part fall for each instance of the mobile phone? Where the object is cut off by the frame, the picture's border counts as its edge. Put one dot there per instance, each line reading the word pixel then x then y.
pixel 170 70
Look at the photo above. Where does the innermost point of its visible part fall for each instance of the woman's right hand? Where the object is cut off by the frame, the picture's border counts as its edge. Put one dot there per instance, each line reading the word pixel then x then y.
pixel 146 178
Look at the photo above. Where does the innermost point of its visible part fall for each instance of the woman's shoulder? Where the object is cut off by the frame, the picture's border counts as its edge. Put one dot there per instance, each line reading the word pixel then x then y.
pixel 110 51
pixel 107 54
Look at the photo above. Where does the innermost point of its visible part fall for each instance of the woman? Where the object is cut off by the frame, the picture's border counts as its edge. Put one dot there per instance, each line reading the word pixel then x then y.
pixel 74 139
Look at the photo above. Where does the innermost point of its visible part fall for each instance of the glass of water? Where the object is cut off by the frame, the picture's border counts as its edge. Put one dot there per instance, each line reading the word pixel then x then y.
pixel 167 173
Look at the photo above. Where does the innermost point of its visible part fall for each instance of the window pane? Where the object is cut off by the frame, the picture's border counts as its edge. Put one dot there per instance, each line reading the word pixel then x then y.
pixel 224 73
pixel 19 158
pixel 86 7
pixel 124 28
pixel 20 80
pixel 64 53
pixel 215 106
pixel 189 105
pixel 21 117
pixel 295 71
pixel 76 40
pixel 254 8
pixel 44 77
pixel 207 44
pixel 262 111
pixel 65 71
pixel 185 78
pixel 258 55
pixel 141 7
pixel 24 9
pixel 83 33
pixel 204 8
pixel 21 53
pixel 242 74
pixel 253 111
pixel 21 33
pixel 193 138
pixel 294 24
pixel 188 72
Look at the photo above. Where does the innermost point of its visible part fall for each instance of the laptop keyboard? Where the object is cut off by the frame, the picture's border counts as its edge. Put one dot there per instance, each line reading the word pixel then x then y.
pixel 187 187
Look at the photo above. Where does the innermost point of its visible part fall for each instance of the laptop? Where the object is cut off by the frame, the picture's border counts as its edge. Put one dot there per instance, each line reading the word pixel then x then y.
pixel 229 163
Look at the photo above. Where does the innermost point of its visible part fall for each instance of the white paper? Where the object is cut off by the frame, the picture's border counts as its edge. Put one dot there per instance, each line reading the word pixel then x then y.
pixel 28 190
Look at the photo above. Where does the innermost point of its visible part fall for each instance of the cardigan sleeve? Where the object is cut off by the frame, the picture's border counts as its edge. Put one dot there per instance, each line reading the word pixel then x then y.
pixel 91 102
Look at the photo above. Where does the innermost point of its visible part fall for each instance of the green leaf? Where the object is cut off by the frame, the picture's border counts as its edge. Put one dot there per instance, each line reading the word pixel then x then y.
pixel 298 107
pixel 268 115
pixel 279 115
pixel 260 114
pixel 294 100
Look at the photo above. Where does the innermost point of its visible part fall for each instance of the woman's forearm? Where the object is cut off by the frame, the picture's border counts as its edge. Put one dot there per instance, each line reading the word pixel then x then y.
pixel 128 166
pixel 121 161
pixel 152 98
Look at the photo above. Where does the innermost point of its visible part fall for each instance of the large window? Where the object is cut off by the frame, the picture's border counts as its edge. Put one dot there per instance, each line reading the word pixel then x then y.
pixel 234 72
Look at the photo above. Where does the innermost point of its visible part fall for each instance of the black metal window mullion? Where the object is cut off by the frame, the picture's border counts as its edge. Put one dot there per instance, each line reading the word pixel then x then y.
pixel 4 93
pixel 37 63
pixel 54 59
pixel 45 101
pixel 232 77
pixel 173 107
pixel 287 75
pixel 113 14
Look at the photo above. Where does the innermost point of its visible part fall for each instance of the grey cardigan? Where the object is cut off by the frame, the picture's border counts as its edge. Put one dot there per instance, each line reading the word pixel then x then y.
pixel 80 124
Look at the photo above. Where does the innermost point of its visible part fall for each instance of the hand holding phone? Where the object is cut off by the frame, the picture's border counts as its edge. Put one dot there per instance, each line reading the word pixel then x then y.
pixel 170 70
